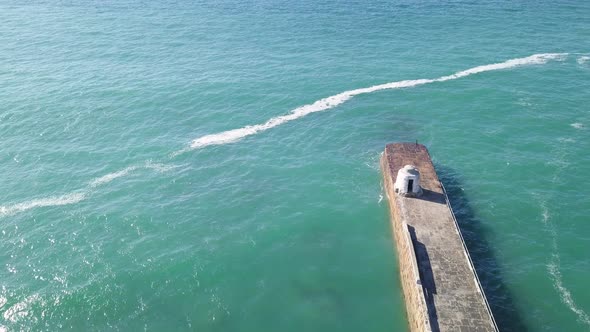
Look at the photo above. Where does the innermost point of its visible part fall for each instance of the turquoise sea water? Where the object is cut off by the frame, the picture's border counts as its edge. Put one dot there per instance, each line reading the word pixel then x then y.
pixel 134 196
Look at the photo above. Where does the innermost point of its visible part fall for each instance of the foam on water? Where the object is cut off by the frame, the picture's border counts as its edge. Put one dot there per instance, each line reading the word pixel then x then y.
pixel 535 59
pixel 66 199
pixel 234 135
pixel 553 268
pixel 583 59
pixel 3 301
pixel 159 167
pixel 111 176
pixel 81 194
pixel 128 170
pixel 20 309
pixel 554 265
pixel 577 125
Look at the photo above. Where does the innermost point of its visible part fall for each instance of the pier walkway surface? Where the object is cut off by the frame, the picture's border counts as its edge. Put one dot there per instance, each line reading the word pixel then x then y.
pixel 440 285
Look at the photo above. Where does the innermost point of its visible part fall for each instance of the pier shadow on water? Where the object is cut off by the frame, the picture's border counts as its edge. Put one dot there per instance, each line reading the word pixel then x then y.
pixel 486 265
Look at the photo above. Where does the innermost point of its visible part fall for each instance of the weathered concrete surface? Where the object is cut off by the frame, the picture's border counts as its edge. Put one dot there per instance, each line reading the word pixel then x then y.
pixel 447 296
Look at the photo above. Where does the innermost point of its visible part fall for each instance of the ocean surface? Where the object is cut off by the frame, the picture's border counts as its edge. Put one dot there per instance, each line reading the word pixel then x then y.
pixel 214 165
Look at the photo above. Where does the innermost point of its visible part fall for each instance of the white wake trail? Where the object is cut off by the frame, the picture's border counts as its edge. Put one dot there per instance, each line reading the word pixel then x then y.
pixel 111 176
pixel 234 135
pixel 81 194
pixel 128 170
pixel 554 265
pixel 555 273
pixel 66 199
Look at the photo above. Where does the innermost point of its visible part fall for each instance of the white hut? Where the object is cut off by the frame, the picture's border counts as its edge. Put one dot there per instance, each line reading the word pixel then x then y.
pixel 407 182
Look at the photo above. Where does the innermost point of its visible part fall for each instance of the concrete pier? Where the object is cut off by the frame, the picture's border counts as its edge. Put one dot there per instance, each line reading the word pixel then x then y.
pixel 440 286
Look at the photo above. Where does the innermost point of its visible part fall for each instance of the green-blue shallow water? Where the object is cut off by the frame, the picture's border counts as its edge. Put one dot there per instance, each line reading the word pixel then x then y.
pixel 134 196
